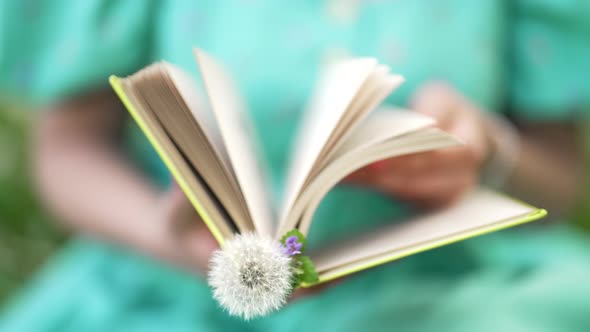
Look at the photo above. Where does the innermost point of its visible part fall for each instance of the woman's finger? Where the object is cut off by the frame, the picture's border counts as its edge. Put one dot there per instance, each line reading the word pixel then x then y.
pixel 189 232
pixel 416 165
pixel 427 162
pixel 437 100
pixel 199 245
pixel 431 189
pixel 472 135
pixel 407 164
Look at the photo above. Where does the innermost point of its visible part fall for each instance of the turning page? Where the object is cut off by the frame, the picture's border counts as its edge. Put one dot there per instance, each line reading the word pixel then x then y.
pixel 346 92
pixel 196 190
pixel 238 136
pixel 385 134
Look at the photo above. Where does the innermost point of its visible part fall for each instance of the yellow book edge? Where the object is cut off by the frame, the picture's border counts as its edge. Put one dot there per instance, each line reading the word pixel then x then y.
pixel 534 215
pixel 116 84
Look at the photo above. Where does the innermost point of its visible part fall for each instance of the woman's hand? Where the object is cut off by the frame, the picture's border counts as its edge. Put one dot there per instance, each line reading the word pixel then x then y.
pixel 435 178
pixel 190 243
pixel 91 187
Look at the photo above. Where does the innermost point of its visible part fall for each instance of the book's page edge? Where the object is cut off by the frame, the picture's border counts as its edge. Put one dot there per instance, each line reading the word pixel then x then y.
pixel 252 180
pixel 331 175
pixel 117 87
pixel 304 154
pixel 534 215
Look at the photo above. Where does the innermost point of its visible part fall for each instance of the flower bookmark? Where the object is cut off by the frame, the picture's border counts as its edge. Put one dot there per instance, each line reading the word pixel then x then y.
pixel 254 275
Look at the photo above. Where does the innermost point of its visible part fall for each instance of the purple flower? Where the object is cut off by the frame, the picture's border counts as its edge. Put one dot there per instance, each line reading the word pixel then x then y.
pixel 292 247
pixel 291 240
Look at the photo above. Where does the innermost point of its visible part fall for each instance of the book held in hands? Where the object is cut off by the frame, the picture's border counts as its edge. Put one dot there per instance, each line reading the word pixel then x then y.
pixel 211 151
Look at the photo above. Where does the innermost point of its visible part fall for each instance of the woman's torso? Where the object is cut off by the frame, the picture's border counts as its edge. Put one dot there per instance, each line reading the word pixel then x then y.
pixel 275 49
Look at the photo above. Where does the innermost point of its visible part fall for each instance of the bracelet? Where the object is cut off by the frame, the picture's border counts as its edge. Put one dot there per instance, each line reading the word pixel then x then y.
pixel 506 147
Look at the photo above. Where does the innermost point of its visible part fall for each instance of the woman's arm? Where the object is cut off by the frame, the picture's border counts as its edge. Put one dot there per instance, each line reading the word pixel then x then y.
pixel 550 169
pixel 89 185
pixel 86 181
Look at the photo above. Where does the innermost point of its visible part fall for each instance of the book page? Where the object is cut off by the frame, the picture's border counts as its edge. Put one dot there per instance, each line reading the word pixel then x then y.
pixel 385 134
pixel 385 124
pixel 197 189
pixel 425 140
pixel 215 156
pixel 378 86
pixel 237 134
pixel 193 136
pixel 478 209
pixel 335 91
pixel 201 113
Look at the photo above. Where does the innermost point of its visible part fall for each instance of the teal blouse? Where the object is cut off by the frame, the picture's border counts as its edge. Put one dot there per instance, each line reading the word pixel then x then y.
pixel 527 57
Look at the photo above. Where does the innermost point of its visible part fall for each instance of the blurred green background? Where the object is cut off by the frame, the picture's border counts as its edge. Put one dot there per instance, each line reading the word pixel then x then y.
pixel 27 236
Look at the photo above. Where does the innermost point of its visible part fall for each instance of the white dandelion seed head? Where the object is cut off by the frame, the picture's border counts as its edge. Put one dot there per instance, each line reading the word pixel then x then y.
pixel 251 276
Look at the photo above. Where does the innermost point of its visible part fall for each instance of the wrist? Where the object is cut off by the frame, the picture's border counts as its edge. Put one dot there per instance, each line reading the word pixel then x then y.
pixel 503 150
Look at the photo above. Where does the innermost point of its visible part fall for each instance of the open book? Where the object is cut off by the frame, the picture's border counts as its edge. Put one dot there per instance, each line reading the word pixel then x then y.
pixel 210 150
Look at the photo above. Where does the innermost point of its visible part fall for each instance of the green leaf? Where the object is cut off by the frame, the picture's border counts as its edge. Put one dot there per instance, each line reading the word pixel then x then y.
pixel 300 238
pixel 295 281
pixel 309 275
